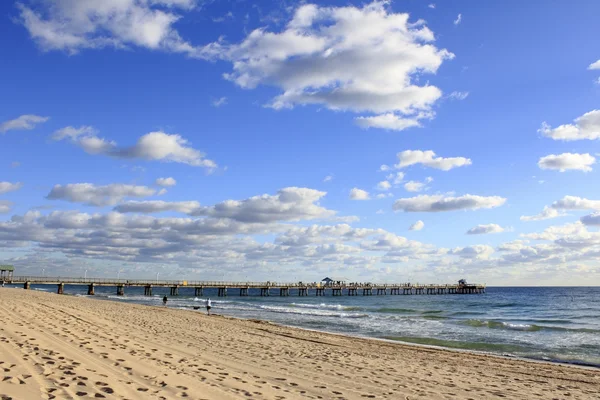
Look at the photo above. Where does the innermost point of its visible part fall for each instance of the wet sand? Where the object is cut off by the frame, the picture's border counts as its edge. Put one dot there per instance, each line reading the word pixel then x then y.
pixel 63 347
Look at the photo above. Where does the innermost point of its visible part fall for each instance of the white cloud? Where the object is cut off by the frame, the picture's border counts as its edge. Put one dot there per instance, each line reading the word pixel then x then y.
pixel 479 251
pixel 591 220
pixel 153 146
pixel 359 194
pixel 397 178
pixel 567 161
pixel 417 226
pixel 6 187
pixel 547 213
pixel 73 25
pixel 414 186
pixel 363 60
pixel 90 194
pixel 485 229
pixel 431 6
pixel 289 204
pixel 576 203
pixel 429 159
pixel 585 127
pixel 595 65
pixel 328 178
pixel 384 168
pixel 24 122
pixel 384 195
pixel 166 182
pixel 439 203
pixel 155 206
pixel 219 102
pixel 70 132
pixel 384 185
pixel 380 212
pixel 390 121
pixel 458 95
pixel 458 19
pixel 5 206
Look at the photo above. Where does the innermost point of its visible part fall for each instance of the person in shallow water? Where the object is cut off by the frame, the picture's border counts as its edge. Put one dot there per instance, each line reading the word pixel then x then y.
pixel 208 306
pixel 165 300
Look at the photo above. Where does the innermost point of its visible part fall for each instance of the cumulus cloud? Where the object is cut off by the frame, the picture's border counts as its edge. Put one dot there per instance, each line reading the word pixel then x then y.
pixel 396 178
pixel 5 206
pixel 74 25
pixel 153 146
pixel 384 185
pixel 359 194
pixel 417 226
pixel 24 122
pixel 391 121
pixel 547 213
pixel 415 186
pixel 585 127
pixel 576 203
pixel 429 159
pixel 485 229
pixel 591 220
pixel 439 203
pixel 479 251
pixel 166 182
pixel 360 59
pixel 595 65
pixel 6 187
pixel 567 161
pixel 90 194
pixel 155 206
pixel 289 204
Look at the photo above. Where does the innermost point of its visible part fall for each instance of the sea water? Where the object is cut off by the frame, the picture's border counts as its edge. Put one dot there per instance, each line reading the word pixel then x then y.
pixel 555 324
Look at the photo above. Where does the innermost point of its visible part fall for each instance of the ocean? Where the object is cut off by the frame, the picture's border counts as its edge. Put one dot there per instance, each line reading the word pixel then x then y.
pixel 560 324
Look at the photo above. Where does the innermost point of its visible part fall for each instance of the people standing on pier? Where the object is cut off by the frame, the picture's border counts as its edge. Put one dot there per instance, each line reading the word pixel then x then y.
pixel 165 300
pixel 208 306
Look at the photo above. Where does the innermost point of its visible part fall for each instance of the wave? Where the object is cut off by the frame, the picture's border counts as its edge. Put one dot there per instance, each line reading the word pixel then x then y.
pixel 396 310
pixel 455 344
pixel 476 323
pixel 311 312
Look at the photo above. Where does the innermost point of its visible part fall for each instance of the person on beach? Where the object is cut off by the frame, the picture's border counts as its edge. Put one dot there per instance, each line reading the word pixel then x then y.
pixel 208 306
pixel 165 300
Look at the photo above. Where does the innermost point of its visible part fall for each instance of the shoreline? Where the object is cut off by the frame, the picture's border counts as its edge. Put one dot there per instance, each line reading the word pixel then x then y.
pixel 60 346
pixel 578 364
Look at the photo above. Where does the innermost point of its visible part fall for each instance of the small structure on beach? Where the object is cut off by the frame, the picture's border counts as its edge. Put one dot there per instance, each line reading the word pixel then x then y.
pixel 6 272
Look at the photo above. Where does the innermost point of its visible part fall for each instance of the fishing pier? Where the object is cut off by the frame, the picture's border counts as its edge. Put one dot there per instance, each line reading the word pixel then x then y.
pixel 261 288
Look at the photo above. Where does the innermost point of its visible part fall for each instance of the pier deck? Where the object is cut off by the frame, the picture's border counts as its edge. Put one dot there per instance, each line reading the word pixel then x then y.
pixel 266 288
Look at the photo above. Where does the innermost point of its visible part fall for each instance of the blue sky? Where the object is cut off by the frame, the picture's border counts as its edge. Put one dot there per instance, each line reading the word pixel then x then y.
pixel 250 107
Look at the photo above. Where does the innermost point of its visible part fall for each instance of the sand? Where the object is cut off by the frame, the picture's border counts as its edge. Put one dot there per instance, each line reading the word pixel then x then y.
pixel 63 347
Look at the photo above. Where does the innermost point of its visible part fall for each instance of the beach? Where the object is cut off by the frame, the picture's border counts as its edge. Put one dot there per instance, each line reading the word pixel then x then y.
pixel 61 347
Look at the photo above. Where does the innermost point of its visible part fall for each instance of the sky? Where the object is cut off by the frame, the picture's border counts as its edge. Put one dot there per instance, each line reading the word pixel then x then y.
pixel 376 141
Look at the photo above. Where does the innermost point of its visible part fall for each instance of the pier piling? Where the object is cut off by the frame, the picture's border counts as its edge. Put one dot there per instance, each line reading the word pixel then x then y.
pixel 199 291
pixel 61 288
pixel 27 285
pixel 302 291
pixel 244 291
pixel 320 291
pixel 222 292
pixel 91 290
pixel 120 290
pixel 148 290
pixel 175 290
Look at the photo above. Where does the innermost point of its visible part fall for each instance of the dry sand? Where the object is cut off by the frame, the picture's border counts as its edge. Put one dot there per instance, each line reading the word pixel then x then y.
pixel 63 347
